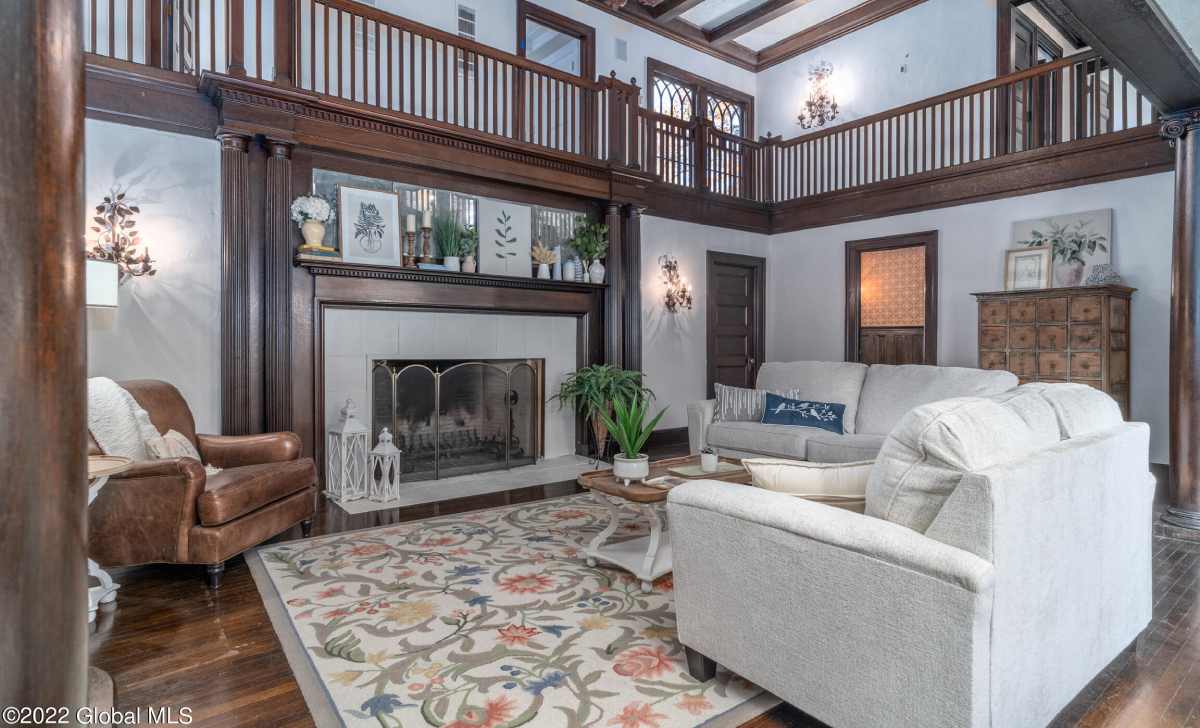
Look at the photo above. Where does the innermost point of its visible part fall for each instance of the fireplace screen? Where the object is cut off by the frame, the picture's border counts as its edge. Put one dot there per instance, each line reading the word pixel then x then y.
pixel 456 417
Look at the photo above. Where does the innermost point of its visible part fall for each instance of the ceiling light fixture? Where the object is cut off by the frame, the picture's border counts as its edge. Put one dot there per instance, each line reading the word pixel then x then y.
pixel 820 108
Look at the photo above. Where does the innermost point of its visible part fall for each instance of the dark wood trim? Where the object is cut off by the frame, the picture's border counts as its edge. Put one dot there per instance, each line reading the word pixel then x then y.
pixel 338 269
pixel 632 335
pixel 277 307
pixel 703 208
pixel 672 9
pixel 236 417
pixel 681 32
pixel 43 396
pixel 760 302
pixel 614 302
pixel 667 437
pixel 751 19
pixel 856 18
pixel 1109 157
pixel 527 10
pixel 703 87
pixel 136 95
pixel 854 249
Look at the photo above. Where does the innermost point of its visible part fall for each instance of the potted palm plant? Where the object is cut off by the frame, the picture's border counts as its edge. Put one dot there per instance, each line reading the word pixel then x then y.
pixel 629 428
pixel 593 389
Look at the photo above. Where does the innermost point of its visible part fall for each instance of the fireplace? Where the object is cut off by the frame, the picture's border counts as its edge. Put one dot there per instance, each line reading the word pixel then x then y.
pixel 459 416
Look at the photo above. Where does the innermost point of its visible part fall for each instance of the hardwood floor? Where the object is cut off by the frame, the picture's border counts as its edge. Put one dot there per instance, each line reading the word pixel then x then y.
pixel 172 642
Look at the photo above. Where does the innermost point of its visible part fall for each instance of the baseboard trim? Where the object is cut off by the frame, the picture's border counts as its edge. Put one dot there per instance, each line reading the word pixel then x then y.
pixel 667 437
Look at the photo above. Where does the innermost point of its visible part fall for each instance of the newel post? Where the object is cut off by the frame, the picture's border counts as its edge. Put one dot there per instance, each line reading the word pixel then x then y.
pixel 767 175
pixel 1183 131
pixel 285 42
pixel 236 63
pixel 701 126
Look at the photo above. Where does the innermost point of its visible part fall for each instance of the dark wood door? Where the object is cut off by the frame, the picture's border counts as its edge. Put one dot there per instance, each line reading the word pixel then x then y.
pixel 891 310
pixel 735 318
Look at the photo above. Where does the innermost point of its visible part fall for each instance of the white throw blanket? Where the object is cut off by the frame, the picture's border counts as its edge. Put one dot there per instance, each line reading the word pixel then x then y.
pixel 117 422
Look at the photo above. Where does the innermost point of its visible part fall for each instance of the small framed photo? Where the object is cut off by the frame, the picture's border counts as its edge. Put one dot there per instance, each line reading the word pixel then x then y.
pixel 370 226
pixel 1027 269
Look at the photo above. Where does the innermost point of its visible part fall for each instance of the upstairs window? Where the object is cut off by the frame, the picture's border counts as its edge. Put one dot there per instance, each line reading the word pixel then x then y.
pixel 683 95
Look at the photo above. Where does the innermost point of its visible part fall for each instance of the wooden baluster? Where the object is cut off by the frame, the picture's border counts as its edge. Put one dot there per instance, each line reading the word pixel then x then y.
pixel 378 66
pixel 154 17
pixel 1111 94
pixel 412 73
pixel 1096 98
pixel 391 75
pixel 258 36
pixel 112 28
pixel 353 57
pixel 129 30
pixel 236 23
pixel 95 8
pixel 1139 106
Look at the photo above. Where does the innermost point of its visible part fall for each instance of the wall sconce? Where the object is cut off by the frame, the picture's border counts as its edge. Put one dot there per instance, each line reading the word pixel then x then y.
pixel 821 107
pixel 679 294
pixel 117 237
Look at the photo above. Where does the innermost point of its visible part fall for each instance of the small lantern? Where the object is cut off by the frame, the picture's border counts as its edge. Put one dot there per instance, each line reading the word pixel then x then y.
pixel 346 457
pixel 383 469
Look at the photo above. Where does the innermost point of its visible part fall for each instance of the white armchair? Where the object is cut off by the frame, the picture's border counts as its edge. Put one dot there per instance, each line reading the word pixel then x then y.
pixel 1034 575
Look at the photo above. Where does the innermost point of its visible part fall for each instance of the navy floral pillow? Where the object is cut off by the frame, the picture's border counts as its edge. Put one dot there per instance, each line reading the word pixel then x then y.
pixel 801 413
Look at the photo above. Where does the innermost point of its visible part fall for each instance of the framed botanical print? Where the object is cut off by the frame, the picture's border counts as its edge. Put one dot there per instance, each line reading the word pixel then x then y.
pixel 369 226
pixel 1027 269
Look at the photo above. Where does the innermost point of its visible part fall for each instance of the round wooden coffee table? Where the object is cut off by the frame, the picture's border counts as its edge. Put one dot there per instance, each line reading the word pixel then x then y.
pixel 647 557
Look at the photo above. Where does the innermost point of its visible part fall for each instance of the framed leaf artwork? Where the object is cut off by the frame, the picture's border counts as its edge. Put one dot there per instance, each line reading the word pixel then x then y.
pixel 370 226
pixel 505 230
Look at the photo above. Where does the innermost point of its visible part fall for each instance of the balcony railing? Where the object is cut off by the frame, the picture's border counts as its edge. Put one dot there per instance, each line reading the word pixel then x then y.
pixel 357 55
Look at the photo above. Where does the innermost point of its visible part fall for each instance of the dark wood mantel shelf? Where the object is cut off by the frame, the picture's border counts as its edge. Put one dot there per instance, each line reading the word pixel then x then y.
pixel 388 273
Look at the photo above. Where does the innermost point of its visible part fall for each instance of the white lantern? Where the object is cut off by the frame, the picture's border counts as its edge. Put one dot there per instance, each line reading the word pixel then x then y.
pixel 383 469
pixel 346 457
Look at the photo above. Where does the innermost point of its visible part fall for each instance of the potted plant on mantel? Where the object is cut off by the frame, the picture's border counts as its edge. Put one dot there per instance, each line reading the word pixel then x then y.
pixel 448 235
pixel 469 242
pixel 592 391
pixel 591 242
pixel 629 428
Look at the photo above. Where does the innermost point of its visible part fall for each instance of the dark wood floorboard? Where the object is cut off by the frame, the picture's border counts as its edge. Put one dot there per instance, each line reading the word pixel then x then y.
pixel 172 642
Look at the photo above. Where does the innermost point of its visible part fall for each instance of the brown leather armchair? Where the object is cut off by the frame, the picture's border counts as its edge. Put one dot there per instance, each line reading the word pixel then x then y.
pixel 167 511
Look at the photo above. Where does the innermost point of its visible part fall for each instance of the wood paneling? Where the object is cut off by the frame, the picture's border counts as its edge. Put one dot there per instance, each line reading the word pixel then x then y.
pixel 892 345
pixel 43 395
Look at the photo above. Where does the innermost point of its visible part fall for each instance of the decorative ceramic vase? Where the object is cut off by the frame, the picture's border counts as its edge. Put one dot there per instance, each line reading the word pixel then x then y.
pixel 708 461
pixel 1102 274
pixel 556 271
pixel 543 271
pixel 313 233
pixel 580 271
pixel 468 264
pixel 628 469
pixel 452 263
pixel 1069 274
pixel 568 270
pixel 596 272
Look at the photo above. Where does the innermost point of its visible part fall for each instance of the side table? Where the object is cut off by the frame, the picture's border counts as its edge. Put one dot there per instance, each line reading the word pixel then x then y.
pixel 100 469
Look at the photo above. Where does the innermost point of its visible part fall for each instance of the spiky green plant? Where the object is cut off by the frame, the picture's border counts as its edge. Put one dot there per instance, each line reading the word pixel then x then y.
pixel 628 426
pixel 447 233
pixel 593 389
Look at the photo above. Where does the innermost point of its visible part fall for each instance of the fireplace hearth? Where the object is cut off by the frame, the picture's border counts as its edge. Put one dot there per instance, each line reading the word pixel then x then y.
pixel 459 416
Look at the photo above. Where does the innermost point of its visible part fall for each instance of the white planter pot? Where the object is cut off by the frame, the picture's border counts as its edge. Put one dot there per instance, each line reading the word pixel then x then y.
pixel 451 262
pixel 628 469
pixel 708 462
pixel 544 271
pixel 568 270
pixel 468 265
pixel 596 272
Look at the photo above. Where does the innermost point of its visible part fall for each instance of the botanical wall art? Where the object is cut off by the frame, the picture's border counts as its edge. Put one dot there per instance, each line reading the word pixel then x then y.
pixel 370 226
pixel 115 237
pixel 504 238
pixel 1026 269
pixel 1078 242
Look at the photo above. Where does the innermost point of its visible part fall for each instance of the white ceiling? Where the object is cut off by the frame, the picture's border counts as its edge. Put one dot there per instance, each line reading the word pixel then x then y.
pixel 800 19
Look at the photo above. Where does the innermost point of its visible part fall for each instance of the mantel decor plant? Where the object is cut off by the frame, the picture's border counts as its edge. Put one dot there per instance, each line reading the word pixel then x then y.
pixel 117 237
pixel 312 213
pixel 591 242
pixel 629 428
pixel 592 391
pixel 448 235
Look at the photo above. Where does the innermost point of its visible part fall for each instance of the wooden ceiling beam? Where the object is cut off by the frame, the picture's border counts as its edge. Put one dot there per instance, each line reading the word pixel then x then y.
pixel 751 19
pixel 856 18
pixel 680 32
pixel 669 10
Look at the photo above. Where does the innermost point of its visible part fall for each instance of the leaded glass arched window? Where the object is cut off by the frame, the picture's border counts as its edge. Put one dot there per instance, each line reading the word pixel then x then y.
pixel 726 115
pixel 673 98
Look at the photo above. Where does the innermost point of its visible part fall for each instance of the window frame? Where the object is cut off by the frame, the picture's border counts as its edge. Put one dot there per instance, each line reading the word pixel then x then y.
pixel 702 89
pixel 585 33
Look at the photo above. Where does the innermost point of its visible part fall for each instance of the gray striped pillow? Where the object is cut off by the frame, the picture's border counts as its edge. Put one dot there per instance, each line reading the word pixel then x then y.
pixel 738 404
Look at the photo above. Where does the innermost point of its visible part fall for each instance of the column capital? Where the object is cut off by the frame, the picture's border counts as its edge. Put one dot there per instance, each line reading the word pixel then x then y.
pixel 1179 124
pixel 279 148
pixel 234 141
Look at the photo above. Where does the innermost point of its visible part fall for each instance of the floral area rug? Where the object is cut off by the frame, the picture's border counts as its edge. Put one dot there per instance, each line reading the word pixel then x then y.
pixel 487 619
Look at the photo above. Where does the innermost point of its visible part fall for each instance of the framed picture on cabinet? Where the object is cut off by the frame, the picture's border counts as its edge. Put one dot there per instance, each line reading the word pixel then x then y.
pixel 370 226
pixel 1027 269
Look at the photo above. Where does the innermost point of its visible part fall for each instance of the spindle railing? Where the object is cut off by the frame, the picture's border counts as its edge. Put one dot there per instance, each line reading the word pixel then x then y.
pixel 362 56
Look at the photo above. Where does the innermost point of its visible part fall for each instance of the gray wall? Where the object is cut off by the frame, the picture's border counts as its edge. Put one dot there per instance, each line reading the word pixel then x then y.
pixel 167 325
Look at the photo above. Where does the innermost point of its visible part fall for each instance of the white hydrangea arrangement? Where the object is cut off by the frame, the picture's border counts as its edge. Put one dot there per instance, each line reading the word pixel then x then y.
pixel 311 208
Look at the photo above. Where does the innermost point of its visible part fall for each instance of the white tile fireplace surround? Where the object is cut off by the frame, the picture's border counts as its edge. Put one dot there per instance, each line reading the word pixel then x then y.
pixel 356 336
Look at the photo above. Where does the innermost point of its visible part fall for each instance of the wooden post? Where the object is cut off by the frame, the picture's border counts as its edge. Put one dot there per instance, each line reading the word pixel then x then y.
pixel 632 305
pixel 614 352
pixel 767 175
pixel 1183 131
pixel 43 394
pixel 236 22
pixel 285 42
pixel 700 146
pixel 277 273
pixel 235 285
pixel 633 92
pixel 154 34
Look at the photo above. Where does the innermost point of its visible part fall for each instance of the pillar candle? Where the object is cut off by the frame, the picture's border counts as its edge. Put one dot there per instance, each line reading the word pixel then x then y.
pixel 427 218
pixel 412 222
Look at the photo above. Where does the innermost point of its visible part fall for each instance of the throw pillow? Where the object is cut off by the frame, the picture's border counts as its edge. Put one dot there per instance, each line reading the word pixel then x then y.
pixel 838 484
pixel 802 413
pixel 172 445
pixel 738 404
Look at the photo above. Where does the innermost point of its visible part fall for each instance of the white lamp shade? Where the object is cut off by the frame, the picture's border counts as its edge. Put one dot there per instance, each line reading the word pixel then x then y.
pixel 102 281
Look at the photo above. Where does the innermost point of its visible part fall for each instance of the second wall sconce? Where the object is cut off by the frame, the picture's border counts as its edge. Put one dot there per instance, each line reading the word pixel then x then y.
pixel 678 296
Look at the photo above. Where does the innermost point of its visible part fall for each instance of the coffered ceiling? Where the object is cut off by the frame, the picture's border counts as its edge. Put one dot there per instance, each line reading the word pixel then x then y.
pixel 754 34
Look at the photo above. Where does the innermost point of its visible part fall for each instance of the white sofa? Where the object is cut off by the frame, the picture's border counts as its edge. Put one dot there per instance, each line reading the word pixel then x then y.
pixel 875 397
pixel 1003 561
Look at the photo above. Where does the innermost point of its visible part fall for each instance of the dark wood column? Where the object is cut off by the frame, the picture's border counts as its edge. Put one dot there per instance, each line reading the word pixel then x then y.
pixel 632 254
pixel 277 270
pixel 43 394
pixel 614 352
pixel 1183 131
pixel 236 304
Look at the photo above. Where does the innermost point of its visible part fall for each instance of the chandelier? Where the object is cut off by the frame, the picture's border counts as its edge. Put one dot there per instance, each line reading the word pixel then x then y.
pixel 820 108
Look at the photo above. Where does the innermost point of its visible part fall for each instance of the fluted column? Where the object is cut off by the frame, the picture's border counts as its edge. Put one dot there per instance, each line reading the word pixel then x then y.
pixel 235 284
pixel 632 304
pixel 1183 131
pixel 277 272
pixel 43 393
pixel 614 317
